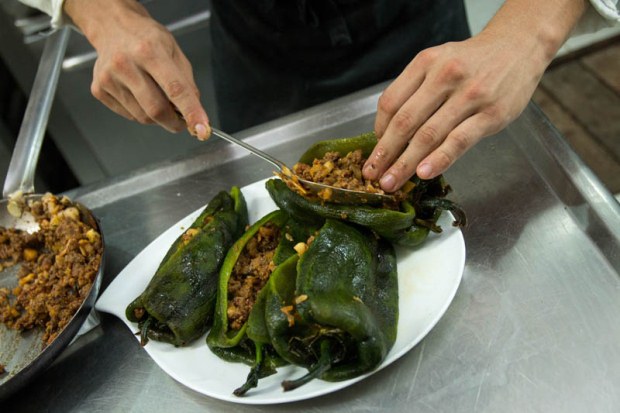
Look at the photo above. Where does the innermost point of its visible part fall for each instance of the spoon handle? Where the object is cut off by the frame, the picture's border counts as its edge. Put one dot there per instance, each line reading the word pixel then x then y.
pixel 278 164
pixel 20 175
pixel 338 195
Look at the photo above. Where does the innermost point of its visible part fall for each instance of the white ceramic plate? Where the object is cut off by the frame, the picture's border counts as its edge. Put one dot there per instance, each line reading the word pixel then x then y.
pixel 428 279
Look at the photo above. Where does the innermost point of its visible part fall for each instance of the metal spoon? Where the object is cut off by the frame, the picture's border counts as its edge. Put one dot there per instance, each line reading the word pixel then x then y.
pixel 338 195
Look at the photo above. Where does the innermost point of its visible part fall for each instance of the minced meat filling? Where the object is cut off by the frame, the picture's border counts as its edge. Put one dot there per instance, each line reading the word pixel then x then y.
pixel 340 172
pixel 251 273
pixel 14 244
pixel 58 266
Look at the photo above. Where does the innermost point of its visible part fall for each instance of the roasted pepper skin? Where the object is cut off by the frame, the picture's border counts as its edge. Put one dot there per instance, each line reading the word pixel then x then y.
pixel 345 295
pixel 397 226
pixel 179 300
pixel 275 324
pixel 270 300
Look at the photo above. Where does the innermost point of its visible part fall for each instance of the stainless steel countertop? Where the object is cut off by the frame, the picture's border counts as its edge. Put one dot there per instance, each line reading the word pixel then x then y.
pixel 534 326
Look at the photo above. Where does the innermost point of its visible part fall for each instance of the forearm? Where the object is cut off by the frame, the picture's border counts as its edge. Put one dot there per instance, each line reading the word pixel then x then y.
pixel 92 16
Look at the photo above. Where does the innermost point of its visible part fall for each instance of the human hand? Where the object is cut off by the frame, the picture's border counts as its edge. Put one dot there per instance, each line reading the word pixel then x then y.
pixel 451 96
pixel 140 72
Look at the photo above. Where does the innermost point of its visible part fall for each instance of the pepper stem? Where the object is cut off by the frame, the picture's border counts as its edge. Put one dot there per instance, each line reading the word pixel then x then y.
pixel 460 219
pixel 144 331
pixel 323 364
pixel 253 375
pixel 163 335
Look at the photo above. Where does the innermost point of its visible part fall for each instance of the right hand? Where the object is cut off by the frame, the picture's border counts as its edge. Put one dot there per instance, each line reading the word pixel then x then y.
pixel 140 72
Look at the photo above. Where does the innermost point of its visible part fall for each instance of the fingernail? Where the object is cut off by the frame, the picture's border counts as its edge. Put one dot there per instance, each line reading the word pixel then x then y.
pixel 425 170
pixel 388 182
pixel 202 131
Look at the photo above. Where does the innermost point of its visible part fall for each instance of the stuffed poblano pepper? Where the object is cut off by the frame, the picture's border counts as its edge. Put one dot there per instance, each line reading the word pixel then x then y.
pixel 178 303
pixel 406 223
pixel 245 271
pixel 338 315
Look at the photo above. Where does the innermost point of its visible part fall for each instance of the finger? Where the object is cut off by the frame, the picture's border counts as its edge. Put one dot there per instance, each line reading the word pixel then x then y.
pixel 115 106
pixel 460 140
pixel 156 105
pixel 109 86
pixel 415 111
pixel 187 68
pixel 129 102
pixel 427 138
pixel 396 94
pixel 136 90
pixel 181 92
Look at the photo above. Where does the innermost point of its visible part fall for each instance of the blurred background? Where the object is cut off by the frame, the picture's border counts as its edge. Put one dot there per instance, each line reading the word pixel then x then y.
pixel 86 143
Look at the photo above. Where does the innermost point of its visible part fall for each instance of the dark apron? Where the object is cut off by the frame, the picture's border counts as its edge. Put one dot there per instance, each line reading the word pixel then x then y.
pixel 274 57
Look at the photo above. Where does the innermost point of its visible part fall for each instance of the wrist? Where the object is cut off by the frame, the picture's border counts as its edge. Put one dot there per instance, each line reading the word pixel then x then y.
pixel 537 29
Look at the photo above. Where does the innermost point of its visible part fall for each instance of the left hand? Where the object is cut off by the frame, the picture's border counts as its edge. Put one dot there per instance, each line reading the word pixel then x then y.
pixel 451 96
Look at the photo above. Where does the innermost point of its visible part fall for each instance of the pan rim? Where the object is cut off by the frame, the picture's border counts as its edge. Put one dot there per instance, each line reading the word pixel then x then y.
pixel 47 354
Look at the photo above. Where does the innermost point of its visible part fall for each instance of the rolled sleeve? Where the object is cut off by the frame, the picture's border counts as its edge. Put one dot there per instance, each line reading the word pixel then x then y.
pixel 608 9
pixel 601 14
pixel 51 7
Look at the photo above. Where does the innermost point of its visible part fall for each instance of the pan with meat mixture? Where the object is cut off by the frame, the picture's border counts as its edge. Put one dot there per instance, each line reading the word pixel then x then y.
pixel 58 265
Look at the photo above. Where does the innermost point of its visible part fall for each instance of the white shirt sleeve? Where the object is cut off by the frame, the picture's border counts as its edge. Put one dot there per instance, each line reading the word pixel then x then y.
pixel 52 8
pixel 608 9
pixel 600 15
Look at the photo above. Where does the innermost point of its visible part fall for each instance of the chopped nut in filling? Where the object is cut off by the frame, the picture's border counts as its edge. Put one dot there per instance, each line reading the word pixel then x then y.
pixel 251 273
pixel 59 263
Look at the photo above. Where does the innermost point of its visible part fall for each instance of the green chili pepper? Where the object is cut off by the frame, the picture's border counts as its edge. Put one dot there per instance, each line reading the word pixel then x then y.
pixel 277 320
pixel 409 224
pixel 397 226
pixel 345 305
pixel 248 343
pixel 266 360
pixel 177 305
